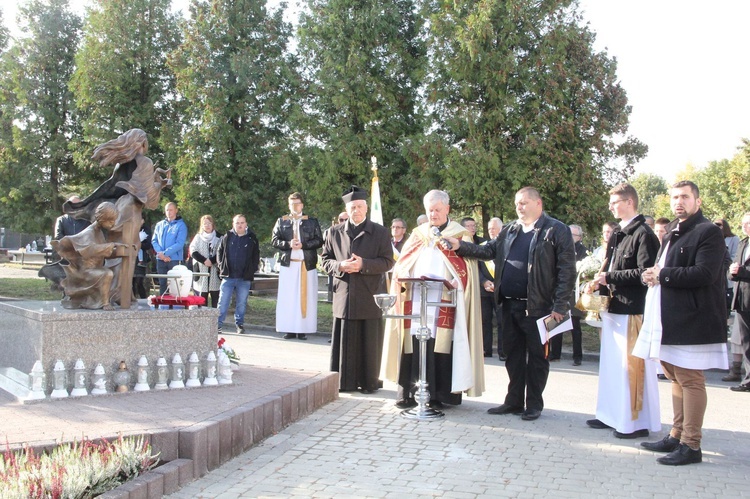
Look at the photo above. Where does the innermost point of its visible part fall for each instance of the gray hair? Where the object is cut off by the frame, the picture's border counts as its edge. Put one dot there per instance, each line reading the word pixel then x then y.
pixel 496 219
pixel 436 196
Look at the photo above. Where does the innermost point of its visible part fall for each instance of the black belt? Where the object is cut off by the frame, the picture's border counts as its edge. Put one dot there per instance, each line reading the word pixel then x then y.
pixel 515 299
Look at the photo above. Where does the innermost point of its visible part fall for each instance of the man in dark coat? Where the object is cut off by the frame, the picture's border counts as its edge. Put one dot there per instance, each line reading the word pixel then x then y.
pixel 237 259
pixel 357 253
pixel 739 272
pixel 691 276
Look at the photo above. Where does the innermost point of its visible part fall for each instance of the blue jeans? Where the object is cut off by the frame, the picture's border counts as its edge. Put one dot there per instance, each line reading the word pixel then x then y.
pixel 163 267
pixel 226 290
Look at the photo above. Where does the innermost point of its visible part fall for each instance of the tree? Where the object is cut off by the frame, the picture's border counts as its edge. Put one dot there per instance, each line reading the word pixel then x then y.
pixel 723 186
pixel 236 78
pixel 38 67
pixel 122 80
pixel 362 62
pixel 519 97
pixel 652 189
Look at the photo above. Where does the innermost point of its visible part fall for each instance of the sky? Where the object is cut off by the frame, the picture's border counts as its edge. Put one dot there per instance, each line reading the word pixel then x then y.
pixel 683 64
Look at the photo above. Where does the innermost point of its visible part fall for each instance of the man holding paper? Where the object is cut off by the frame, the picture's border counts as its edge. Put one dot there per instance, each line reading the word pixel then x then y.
pixel 628 398
pixel 535 271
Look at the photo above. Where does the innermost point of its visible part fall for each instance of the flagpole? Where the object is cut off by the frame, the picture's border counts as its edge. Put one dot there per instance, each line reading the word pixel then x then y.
pixel 376 208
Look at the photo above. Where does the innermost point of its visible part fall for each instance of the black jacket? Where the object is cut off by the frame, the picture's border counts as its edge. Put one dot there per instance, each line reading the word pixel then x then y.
pixel 630 251
pixel 311 238
pixel 552 264
pixel 353 293
pixel 66 225
pixel 251 263
pixel 693 281
pixel 741 301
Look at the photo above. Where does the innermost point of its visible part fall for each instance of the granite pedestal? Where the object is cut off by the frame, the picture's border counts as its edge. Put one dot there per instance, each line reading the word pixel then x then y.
pixel 36 330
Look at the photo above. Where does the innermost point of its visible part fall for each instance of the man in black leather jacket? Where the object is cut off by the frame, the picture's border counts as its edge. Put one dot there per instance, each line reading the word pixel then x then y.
pixel 628 397
pixel 535 273
pixel 297 237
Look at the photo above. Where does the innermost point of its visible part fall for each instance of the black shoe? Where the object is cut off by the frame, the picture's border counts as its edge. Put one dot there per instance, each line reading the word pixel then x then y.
pixel 635 434
pixel 290 336
pixel 595 423
pixel 531 414
pixel 406 404
pixel 576 362
pixel 740 388
pixel 662 376
pixel 554 359
pixel 435 404
pixel 366 391
pixel 240 329
pixel 682 455
pixel 487 354
pixel 503 357
pixel 505 409
pixel 666 444
pixel 302 337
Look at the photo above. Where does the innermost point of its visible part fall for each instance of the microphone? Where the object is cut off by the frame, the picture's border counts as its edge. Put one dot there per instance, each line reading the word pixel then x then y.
pixel 439 235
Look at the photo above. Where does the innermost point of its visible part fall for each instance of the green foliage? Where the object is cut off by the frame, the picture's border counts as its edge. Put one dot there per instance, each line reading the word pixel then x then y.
pixel 362 62
pixel 652 193
pixel 723 186
pixel 236 82
pixel 122 80
pixel 78 470
pixel 519 97
pixel 36 155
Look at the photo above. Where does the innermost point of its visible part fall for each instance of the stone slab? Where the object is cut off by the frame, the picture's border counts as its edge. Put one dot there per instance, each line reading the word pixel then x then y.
pixel 36 330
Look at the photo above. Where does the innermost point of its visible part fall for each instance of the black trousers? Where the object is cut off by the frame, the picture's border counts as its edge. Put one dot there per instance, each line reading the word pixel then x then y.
pixel 527 366
pixel 439 374
pixel 555 343
pixel 356 349
pixel 489 310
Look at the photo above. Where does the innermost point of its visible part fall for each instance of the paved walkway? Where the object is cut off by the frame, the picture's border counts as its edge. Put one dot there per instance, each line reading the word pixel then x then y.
pixel 359 446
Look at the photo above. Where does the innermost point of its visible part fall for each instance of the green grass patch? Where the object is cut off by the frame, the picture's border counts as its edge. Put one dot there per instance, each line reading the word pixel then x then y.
pixel 28 289
pixel 261 311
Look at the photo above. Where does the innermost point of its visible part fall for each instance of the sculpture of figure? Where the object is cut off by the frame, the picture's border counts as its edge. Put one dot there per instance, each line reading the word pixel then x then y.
pixel 87 282
pixel 135 184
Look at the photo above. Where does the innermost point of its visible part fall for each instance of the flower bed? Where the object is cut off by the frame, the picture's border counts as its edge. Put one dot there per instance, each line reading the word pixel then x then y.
pixel 75 470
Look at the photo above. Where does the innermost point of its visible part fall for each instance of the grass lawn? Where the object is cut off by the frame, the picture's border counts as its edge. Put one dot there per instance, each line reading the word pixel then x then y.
pixel 261 311
pixel 28 289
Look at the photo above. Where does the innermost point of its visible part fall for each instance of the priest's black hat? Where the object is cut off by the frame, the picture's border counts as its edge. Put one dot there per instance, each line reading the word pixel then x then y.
pixel 354 193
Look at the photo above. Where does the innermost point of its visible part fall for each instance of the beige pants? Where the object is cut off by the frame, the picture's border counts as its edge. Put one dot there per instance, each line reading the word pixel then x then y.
pixel 689 402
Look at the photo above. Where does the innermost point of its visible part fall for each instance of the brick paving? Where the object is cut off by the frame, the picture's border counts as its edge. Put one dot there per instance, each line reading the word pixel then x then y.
pixel 359 446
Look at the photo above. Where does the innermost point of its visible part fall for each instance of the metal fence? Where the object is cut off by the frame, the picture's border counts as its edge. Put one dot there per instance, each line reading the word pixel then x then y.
pixel 16 240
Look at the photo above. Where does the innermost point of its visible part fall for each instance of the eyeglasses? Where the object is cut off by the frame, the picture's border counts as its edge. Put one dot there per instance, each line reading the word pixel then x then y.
pixel 612 203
